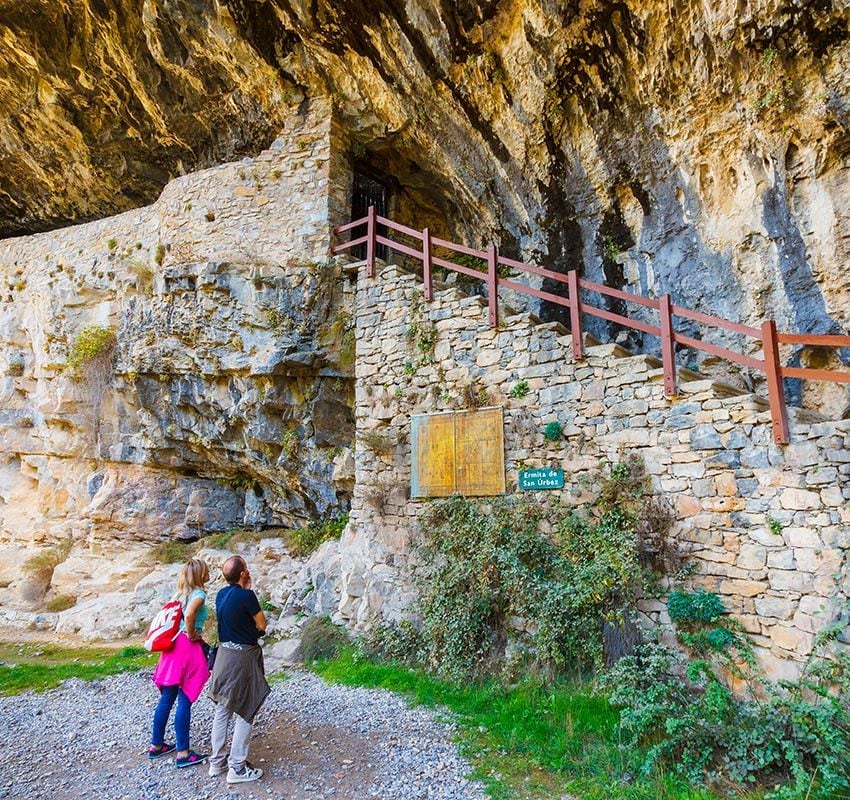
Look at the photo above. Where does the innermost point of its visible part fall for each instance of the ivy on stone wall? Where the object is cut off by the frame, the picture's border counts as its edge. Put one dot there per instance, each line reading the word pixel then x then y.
pixel 533 579
pixel 714 718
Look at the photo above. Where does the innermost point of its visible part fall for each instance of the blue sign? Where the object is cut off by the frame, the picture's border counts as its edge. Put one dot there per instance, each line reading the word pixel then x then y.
pixel 541 478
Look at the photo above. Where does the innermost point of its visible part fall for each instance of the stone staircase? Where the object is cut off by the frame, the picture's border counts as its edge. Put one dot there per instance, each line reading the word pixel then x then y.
pixel 691 383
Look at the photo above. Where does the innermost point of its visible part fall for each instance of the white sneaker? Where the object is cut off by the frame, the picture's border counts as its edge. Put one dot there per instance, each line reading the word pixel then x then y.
pixel 215 771
pixel 247 774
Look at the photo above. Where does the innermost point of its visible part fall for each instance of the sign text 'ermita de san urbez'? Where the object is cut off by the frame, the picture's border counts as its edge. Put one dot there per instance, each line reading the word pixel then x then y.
pixel 541 478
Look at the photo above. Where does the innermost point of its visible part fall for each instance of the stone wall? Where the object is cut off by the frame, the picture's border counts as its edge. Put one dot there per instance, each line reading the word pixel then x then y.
pixel 768 528
pixel 227 399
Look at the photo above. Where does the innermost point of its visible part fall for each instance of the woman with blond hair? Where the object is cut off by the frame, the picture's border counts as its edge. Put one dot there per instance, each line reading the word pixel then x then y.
pixel 182 671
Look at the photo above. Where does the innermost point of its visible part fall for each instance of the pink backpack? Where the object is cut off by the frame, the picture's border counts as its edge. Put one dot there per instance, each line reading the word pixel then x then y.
pixel 164 628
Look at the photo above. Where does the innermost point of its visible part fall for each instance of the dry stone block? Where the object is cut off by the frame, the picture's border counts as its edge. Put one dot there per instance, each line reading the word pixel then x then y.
pixel 789 580
pixel 799 499
pixel 752 556
pixel 793 639
pixel 743 588
pixel 780 608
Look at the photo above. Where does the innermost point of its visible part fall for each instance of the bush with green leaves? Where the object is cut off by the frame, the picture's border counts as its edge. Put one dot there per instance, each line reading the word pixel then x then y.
pixel 488 565
pixel 553 431
pixel 794 735
pixel 399 642
pixel 306 540
pixel 321 639
pixel 90 343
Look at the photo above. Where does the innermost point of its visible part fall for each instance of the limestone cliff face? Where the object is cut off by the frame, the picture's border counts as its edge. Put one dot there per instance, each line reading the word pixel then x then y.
pixel 103 102
pixel 214 391
pixel 683 147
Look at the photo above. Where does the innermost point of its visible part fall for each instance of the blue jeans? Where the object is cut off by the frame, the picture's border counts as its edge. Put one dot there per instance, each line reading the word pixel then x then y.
pixel 168 694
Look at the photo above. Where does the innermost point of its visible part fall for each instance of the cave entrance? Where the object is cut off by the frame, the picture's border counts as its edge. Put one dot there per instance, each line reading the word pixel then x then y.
pixel 370 189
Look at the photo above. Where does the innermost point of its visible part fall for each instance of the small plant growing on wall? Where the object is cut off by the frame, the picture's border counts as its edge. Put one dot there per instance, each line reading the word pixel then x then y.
pixel 775 526
pixel 422 336
pixel 276 318
pixel 90 343
pixel 377 496
pixel 475 396
pixel 520 390
pixel 304 541
pixel 553 431
pixel 381 444
pixel 289 443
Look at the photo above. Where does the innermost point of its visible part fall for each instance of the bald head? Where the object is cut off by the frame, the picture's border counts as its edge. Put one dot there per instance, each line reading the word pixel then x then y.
pixel 233 569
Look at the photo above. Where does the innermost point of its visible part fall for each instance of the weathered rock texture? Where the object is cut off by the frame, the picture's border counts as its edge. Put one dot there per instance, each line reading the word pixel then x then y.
pixel 104 102
pixel 767 527
pixel 691 148
pixel 227 399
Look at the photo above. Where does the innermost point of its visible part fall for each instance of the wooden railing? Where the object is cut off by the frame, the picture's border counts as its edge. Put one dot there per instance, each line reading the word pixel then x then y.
pixel 426 250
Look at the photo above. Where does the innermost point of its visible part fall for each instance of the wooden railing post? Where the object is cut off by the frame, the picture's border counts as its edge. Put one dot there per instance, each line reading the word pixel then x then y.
pixel 371 233
pixel 775 389
pixel 668 351
pixel 493 284
pixel 575 314
pixel 426 264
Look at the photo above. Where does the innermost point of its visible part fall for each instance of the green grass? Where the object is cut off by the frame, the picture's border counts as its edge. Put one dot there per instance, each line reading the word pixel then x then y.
pixel 40 667
pixel 527 742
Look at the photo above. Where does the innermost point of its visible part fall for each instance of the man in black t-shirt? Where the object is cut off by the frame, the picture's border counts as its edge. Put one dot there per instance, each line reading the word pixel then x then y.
pixel 238 684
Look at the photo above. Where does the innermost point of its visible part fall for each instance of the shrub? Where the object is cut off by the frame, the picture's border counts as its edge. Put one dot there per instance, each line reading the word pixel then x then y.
pixel 487 564
pixel 553 431
pixel 792 732
pixel 474 396
pixel 520 389
pixel 90 343
pixel 379 443
pixel 321 639
pixel 171 552
pixel 698 607
pixel 306 540
pixel 400 642
pixel 41 565
pixel 61 602
pixel 289 443
pixel 422 336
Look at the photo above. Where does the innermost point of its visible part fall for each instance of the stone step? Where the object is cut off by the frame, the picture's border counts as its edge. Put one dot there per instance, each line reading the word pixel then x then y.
pixel 690 382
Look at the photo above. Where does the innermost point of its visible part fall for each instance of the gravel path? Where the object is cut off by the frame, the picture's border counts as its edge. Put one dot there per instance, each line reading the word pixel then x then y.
pixel 87 741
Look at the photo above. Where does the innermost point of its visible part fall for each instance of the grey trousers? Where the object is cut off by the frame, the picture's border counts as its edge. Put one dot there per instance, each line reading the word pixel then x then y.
pixel 239 747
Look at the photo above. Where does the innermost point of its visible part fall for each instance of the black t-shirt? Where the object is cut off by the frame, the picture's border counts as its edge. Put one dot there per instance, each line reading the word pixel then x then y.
pixel 235 608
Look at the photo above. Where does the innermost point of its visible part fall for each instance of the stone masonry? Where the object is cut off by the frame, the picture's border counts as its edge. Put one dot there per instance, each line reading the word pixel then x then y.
pixel 768 528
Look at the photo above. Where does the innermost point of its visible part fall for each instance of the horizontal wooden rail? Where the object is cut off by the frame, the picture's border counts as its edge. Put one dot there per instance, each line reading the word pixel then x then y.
pixel 396 226
pixel 628 322
pixel 545 273
pixel 618 293
pixel 717 322
pixel 720 352
pixel 808 374
pixel 349 225
pixel 472 273
pixel 557 299
pixel 490 259
pixel 813 340
pixel 398 247
pixel 459 248
pixel 345 245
